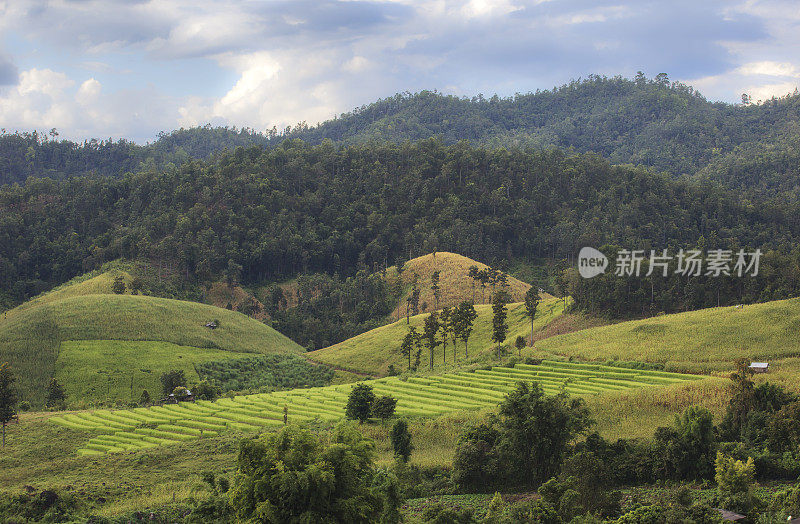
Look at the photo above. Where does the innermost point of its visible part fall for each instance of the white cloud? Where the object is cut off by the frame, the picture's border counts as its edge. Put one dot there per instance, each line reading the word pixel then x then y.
pixel 277 63
pixel 356 64
pixel 88 91
pixel 767 91
pixel 769 68
pixel 273 89
pixel 43 81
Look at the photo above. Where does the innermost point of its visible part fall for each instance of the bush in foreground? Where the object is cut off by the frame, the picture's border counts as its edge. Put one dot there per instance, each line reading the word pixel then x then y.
pixel 294 476
pixel 524 445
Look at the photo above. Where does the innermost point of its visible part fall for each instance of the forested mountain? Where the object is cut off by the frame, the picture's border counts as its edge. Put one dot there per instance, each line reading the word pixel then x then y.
pixel 267 214
pixel 35 154
pixel 651 122
pixel 656 123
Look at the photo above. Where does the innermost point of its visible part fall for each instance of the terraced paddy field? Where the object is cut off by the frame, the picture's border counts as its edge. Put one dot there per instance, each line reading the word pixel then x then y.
pixel 130 430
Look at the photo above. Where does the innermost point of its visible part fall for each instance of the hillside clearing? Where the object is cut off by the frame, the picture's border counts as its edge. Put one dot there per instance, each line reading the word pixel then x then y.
pixel 455 285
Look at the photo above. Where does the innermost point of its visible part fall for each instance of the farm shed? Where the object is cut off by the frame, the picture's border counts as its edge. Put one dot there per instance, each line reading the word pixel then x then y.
pixel 759 367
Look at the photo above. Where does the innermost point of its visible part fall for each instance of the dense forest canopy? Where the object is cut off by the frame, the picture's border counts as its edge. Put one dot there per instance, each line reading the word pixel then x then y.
pixel 652 122
pixel 268 214
pixel 35 154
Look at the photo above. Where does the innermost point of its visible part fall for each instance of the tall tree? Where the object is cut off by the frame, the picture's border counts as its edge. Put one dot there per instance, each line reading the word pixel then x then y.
pixel 429 331
pixel 483 278
pixel 466 319
pixel 8 397
pixel 401 440
pixel 415 300
pixel 446 322
pixel 531 304
pixel 499 319
pixel 436 288
pixel 410 341
pixel 472 273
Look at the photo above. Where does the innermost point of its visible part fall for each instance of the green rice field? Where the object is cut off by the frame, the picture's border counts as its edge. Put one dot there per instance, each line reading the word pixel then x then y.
pixel 133 429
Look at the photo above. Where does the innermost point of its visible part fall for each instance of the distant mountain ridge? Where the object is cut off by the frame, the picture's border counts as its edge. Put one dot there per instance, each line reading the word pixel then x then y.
pixel 652 122
pixel 669 126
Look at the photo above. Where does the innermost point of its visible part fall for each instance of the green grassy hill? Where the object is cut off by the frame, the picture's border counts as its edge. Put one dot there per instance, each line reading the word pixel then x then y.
pixel 704 340
pixel 372 352
pixel 106 347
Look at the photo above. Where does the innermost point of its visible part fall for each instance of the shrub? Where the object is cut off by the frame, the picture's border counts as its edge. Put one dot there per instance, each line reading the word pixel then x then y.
pixel 55 394
pixel 735 484
pixel 292 476
pixel 180 392
pixel 439 514
pixel 145 399
pixel 265 373
pixel 172 379
pixel 359 403
pixel 537 511
pixel 783 430
pixel 519 343
pixel 401 440
pixel 477 463
pixel 118 286
pixel 206 391
pixel 383 407
pixel 687 451
pixel 524 445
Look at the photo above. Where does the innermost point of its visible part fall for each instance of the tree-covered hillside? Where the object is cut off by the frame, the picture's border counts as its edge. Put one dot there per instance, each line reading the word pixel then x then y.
pixel 35 154
pixel 656 123
pixel 652 122
pixel 260 215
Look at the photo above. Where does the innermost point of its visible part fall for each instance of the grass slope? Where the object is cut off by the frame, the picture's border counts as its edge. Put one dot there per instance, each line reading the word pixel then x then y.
pixel 704 340
pixel 83 285
pixel 372 352
pixel 455 285
pixel 121 369
pixel 34 337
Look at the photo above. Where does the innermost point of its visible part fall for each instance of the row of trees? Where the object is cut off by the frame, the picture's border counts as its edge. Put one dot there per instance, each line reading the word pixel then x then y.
pixel 451 324
pixel 456 323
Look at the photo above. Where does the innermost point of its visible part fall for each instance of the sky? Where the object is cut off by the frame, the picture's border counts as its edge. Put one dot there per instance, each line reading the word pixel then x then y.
pixel 133 68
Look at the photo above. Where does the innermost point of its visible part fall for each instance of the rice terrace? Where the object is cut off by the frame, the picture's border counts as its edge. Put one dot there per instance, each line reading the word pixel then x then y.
pixel 125 430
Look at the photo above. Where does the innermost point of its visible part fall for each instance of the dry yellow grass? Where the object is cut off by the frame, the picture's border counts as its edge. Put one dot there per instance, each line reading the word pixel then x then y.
pixel 455 285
